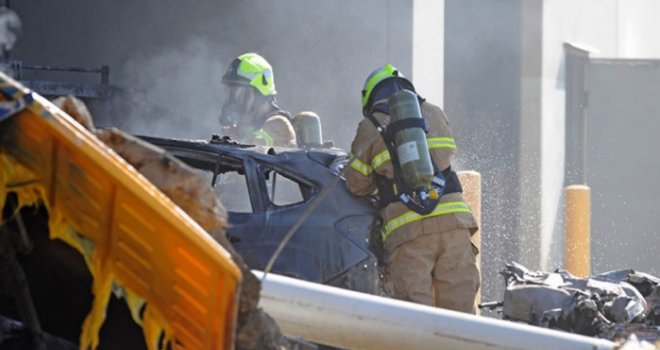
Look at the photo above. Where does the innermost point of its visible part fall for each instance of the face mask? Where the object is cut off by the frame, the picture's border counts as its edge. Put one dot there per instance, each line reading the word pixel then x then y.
pixel 230 115
pixel 234 108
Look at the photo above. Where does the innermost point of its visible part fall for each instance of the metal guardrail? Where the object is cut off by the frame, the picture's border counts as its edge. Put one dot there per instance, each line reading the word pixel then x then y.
pixel 59 88
pixel 18 67
pixel 352 320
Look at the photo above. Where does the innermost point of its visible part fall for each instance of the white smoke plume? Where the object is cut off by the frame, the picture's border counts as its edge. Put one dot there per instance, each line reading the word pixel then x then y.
pixel 171 92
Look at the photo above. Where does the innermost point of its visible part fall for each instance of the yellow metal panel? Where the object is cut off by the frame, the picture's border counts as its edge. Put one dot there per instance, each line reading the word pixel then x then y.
pixel 140 239
pixel 81 191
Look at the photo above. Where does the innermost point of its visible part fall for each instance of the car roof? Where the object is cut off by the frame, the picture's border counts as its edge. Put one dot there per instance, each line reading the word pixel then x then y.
pixel 281 156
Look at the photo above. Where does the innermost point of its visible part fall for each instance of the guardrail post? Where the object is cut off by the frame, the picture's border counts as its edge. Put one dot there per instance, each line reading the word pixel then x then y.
pixel 577 230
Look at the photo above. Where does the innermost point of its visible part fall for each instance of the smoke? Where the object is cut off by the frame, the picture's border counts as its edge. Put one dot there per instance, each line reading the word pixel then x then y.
pixel 168 58
pixel 10 28
pixel 172 92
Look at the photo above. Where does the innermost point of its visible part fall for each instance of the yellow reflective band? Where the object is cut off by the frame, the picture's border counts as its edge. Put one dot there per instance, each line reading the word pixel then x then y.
pixel 360 167
pixel 433 142
pixel 380 158
pixel 441 142
pixel 262 134
pixel 410 216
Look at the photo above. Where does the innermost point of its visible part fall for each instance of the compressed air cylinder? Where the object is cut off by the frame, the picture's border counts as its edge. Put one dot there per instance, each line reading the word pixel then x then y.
pixel 308 129
pixel 410 143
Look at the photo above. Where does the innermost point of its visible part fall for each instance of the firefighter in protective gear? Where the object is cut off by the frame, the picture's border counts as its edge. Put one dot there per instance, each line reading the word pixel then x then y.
pixel 249 113
pixel 430 257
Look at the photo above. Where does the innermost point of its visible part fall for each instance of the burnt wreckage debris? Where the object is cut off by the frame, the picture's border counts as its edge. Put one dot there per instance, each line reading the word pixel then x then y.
pixel 612 305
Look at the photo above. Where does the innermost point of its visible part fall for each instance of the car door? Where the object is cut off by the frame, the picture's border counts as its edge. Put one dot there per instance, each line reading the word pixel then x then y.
pixel 276 203
pixel 240 191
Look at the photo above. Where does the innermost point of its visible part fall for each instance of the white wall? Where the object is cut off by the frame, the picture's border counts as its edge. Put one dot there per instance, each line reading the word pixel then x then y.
pixel 639 29
pixel 428 49
pixel 586 22
pixel 609 28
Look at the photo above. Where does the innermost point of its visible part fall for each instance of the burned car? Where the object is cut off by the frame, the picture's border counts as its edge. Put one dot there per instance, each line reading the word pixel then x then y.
pixel 266 190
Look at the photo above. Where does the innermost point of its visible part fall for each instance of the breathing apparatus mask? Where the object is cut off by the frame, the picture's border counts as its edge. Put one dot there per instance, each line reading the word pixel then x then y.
pixel 237 116
pixel 234 105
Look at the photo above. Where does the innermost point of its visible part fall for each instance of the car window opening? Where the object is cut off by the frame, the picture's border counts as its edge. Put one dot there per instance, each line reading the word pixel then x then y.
pixel 283 190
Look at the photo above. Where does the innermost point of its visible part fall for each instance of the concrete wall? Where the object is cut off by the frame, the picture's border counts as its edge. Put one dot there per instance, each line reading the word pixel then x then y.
pixel 505 90
pixel 169 55
pixel 530 131
pixel 429 49
pixel 590 23
pixel 482 101
pixel 623 175
pixel 638 29
pixel 614 28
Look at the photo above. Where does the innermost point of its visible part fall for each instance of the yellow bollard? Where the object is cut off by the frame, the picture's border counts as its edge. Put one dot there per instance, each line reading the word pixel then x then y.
pixel 471 182
pixel 577 230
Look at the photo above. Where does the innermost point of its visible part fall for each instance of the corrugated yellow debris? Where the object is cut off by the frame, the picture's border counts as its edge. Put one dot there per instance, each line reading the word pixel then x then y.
pixel 130 234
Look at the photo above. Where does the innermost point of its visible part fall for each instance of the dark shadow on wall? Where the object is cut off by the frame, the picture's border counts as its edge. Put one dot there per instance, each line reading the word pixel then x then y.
pixel 482 99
